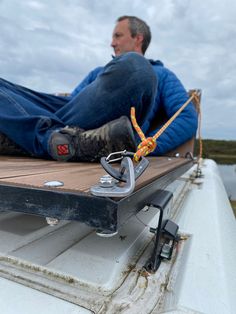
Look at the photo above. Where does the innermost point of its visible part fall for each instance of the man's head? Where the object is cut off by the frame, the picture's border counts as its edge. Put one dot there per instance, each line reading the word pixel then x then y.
pixel 130 34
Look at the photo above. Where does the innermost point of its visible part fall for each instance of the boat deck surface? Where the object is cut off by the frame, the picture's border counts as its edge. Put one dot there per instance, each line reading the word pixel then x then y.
pixel 76 177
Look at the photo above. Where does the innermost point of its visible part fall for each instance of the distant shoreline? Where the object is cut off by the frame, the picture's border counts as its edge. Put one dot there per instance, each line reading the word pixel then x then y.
pixel 222 151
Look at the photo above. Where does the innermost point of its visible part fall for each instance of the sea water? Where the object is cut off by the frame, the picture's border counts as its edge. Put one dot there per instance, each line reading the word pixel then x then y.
pixel 228 174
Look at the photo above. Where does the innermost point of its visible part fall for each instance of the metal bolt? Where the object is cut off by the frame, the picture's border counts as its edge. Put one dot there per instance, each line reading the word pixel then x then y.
pixel 165 252
pixel 107 181
pixel 52 221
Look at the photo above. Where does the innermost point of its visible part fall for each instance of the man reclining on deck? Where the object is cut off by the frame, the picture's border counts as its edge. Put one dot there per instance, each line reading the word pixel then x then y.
pixel 94 120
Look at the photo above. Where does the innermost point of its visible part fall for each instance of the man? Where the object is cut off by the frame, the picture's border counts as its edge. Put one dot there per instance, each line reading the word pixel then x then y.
pixel 93 121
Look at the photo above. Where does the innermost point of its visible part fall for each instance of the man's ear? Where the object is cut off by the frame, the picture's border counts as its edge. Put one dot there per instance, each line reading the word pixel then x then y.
pixel 139 41
pixel 139 38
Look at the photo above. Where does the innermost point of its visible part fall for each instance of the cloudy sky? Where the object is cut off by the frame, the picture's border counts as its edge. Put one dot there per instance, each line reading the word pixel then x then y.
pixel 50 45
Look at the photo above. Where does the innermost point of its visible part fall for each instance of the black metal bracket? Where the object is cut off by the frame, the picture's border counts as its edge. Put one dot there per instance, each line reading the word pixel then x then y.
pixel 165 233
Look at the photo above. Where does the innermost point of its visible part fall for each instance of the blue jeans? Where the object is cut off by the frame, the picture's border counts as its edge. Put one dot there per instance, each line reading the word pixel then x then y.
pixel 29 117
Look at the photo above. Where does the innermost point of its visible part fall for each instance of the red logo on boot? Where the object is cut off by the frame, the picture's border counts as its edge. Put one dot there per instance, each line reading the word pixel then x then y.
pixel 63 150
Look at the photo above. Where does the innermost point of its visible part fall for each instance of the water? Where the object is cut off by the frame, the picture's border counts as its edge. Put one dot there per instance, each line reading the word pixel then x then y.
pixel 228 174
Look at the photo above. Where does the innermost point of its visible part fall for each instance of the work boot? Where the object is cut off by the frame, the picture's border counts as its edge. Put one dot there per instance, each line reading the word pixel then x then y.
pixel 72 143
pixel 8 147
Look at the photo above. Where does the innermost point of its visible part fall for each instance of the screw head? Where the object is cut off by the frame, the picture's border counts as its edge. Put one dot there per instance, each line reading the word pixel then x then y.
pixel 53 183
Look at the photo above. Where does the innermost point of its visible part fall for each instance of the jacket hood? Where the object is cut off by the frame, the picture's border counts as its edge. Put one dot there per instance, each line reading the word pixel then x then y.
pixel 156 62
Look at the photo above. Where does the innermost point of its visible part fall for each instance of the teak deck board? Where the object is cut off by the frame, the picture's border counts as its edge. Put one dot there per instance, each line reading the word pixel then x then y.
pixel 77 177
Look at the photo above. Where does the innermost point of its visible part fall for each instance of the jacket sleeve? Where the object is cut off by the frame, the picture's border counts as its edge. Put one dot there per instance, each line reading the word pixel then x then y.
pixel 171 96
pixel 86 81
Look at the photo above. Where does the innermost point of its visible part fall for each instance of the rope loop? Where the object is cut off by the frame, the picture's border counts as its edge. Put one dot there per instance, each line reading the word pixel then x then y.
pixel 149 144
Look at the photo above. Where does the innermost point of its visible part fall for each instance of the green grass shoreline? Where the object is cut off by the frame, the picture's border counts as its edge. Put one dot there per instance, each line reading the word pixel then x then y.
pixel 223 152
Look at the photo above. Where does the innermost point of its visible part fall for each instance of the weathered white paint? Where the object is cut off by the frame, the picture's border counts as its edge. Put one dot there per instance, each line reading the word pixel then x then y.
pixel 207 280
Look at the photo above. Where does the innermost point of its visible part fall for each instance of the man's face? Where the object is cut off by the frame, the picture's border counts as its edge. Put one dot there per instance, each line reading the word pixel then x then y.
pixel 122 41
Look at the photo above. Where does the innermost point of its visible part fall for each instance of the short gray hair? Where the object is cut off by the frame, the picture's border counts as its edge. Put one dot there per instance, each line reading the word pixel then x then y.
pixel 138 26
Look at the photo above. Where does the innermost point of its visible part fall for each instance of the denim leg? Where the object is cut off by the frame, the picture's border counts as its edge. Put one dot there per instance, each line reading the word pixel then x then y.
pixel 128 80
pixel 27 116
pixel 45 101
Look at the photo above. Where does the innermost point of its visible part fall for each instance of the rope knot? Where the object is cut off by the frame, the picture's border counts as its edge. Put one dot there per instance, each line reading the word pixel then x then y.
pixel 149 142
pixel 147 146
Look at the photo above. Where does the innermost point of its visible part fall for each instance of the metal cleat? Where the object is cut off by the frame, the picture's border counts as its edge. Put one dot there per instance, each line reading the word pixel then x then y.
pixel 119 182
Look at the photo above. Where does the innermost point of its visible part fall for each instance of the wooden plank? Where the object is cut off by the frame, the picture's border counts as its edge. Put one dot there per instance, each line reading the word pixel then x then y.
pixel 24 166
pixel 158 167
pixel 77 177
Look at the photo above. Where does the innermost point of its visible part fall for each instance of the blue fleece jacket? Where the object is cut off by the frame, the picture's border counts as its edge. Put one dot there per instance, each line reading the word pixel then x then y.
pixel 171 95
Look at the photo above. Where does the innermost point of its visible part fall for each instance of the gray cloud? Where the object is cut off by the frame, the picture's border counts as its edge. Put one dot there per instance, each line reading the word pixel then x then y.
pixel 51 45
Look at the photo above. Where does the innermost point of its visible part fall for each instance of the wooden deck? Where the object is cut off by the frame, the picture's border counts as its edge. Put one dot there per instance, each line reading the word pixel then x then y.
pixel 22 189
pixel 76 177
